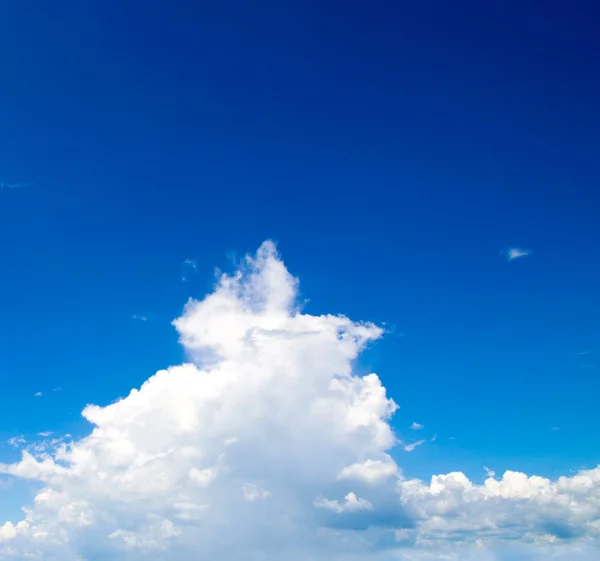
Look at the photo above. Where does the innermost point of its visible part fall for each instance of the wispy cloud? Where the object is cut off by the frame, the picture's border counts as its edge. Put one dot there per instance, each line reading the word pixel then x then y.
pixel 434 438
pixel 16 441
pixel 411 447
pixel 38 394
pixel 139 317
pixel 515 253
pixel 188 268
pixel 554 428
pixel 588 365
pixel 583 353
pixel 416 426
pixel 489 472
pixel 4 185
pixel 45 433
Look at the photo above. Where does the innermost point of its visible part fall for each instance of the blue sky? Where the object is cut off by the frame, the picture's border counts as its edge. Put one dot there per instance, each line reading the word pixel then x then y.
pixel 391 149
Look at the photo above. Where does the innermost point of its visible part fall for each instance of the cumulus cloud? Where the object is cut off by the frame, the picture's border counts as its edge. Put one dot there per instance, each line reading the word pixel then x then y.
pixel 530 509
pixel 351 503
pixel 267 445
pixel 516 253
pixel 370 471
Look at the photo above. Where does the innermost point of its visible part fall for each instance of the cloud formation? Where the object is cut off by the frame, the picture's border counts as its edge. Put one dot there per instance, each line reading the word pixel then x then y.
pixel 16 441
pixel 268 446
pixel 529 509
pixel 411 447
pixel 516 253
pixel 416 426
pixel 139 317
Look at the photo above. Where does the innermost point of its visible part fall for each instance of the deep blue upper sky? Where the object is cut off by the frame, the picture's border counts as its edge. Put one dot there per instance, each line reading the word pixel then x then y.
pixel 392 149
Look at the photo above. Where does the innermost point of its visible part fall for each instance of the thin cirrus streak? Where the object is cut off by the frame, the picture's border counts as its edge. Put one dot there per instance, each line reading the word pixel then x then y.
pixel 4 185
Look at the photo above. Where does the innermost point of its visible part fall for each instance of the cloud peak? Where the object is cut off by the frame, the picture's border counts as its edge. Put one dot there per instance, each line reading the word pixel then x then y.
pixel 267 442
pixel 267 417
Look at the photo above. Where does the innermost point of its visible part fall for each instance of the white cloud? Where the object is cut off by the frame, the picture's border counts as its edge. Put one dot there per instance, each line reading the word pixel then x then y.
pixel 416 426
pixel 268 443
pixel 38 394
pixel 351 503
pixel 529 509
pixel 489 472
pixel 413 445
pixel 16 441
pixel 139 317
pixel 516 253
pixel 45 433
pixel 370 471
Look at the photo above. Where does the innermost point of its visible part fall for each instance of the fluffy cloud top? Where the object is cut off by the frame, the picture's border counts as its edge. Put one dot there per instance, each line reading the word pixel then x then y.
pixel 267 446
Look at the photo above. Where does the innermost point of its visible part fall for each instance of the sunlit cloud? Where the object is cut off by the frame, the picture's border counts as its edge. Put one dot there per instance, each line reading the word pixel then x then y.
pixel 270 442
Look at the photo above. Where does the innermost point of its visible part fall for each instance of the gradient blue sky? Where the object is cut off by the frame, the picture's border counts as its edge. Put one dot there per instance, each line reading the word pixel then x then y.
pixel 392 149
